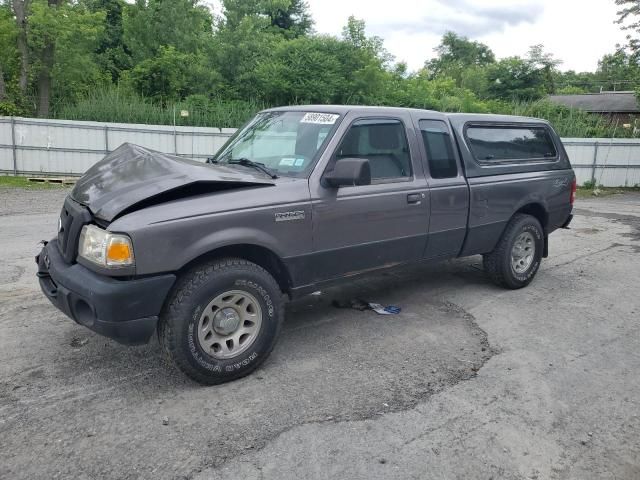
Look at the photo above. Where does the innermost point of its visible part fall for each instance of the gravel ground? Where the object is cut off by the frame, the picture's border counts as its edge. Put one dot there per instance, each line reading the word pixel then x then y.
pixel 469 381
pixel 19 201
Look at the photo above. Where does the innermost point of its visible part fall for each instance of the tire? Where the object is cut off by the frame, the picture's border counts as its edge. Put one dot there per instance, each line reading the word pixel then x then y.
pixel 196 328
pixel 512 264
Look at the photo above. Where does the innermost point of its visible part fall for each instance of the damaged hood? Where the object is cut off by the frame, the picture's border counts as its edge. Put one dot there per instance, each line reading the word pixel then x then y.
pixel 132 174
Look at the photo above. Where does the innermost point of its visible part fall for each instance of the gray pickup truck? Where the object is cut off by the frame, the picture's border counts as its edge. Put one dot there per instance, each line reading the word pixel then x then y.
pixel 205 254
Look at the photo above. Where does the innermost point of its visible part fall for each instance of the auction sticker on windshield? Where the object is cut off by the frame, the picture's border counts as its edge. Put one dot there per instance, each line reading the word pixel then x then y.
pixel 321 118
pixel 287 162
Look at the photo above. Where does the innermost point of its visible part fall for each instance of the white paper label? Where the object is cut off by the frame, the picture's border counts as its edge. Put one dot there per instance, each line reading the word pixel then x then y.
pixel 287 162
pixel 320 118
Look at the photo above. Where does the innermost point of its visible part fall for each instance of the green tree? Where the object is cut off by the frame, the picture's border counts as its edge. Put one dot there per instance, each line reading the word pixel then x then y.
pixel 355 32
pixel 515 79
pixel 291 18
pixel 237 51
pixel 294 20
pixel 456 54
pixel 628 19
pixel 150 25
pixel 20 10
pixel 571 90
pixel 304 70
pixel 475 80
pixel 546 64
pixel 8 51
pixel 62 38
pixel 618 71
pixel 365 64
pixel 112 53
pixel 578 82
pixel 172 75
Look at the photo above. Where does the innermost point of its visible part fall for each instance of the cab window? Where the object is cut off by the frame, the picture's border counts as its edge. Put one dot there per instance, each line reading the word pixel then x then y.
pixel 381 141
pixel 439 149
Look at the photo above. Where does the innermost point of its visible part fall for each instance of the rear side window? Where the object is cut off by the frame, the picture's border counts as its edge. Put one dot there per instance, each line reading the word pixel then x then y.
pixel 497 143
pixel 437 143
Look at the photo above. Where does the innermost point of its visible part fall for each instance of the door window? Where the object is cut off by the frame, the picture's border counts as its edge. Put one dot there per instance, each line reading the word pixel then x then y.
pixel 439 148
pixel 381 141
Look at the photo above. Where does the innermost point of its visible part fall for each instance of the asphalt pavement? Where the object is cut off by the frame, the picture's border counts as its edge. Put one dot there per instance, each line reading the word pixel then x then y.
pixel 468 381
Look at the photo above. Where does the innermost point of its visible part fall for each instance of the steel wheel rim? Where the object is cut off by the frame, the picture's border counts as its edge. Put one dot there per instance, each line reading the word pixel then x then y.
pixel 229 324
pixel 523 252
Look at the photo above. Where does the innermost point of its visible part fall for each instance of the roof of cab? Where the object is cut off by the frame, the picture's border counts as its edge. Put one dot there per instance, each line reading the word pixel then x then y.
pixel 456 117
pixel 343 109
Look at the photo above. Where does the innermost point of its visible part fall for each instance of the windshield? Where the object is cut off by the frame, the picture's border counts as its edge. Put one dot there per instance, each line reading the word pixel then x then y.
pixel 285 142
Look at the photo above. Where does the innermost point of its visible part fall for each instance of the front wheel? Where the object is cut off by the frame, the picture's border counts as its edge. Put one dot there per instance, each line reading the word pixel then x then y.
pixel 516 258
pixel 222 320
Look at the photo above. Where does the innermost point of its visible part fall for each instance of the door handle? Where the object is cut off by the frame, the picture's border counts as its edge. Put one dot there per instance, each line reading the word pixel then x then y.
pixel 414 198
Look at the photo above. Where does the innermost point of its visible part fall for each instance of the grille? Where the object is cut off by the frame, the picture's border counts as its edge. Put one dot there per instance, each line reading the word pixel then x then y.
pixel 72 218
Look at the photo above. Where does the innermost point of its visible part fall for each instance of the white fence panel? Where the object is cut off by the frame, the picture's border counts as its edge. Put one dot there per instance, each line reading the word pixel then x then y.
pixel 64 147
pixel 611 162
pixel 5 131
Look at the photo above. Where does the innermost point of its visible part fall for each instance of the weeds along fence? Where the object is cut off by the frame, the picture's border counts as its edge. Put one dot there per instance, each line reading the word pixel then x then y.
pixel 68 148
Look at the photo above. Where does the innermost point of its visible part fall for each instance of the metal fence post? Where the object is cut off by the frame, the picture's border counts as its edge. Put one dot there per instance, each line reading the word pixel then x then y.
pixel 106 139
pixel 593 165
pixel 175 140
pixel 13 145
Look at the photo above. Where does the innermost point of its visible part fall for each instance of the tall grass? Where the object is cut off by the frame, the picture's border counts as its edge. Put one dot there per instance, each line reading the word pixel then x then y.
pixel 568 122
pixel 114 105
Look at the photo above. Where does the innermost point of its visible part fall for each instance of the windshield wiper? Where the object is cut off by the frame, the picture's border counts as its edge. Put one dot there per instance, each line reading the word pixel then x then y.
pixel 245 162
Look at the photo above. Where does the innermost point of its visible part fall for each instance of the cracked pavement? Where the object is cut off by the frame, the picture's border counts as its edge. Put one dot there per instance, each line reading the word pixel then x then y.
pixel 469 381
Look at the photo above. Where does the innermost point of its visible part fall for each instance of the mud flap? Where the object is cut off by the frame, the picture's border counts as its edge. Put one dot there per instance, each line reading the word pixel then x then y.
pixel 545 249
pixel 567 222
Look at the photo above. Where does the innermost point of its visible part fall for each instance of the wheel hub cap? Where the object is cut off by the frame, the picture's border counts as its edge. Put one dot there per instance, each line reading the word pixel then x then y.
pixel 523 252
pixel 226 321
pixel 229 324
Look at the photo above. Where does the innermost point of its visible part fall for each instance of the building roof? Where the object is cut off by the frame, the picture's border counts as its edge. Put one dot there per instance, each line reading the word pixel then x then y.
pixel 605 102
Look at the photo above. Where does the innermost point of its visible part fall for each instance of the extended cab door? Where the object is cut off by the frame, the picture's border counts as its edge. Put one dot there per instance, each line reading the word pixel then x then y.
pixel 356 228
pixel 448 188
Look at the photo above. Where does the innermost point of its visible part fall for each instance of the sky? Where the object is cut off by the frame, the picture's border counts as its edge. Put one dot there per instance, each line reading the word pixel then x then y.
pixel 578 32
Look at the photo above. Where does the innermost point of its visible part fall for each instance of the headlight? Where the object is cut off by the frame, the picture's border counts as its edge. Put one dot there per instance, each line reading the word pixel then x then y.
pixel 105 248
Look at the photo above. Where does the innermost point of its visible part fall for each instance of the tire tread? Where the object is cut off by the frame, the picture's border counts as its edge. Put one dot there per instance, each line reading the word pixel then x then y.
pixel 186 286
pixel 494 262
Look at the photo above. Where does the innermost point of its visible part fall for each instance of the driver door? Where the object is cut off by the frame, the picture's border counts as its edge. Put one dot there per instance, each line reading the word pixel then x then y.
pixel 358 228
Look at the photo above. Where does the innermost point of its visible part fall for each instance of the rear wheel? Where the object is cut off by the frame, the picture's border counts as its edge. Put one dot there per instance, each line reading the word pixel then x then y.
pixel 516 258
pixel 222 320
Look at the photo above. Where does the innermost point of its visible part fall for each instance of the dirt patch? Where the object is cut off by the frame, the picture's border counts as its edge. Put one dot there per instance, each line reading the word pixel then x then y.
pixel 631 221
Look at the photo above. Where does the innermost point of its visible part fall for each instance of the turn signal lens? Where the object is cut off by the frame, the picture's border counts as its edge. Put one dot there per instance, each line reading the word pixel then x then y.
pixel 119 251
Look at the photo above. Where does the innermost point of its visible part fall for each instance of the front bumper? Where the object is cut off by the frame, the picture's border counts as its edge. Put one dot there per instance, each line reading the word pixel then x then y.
pixel 124 310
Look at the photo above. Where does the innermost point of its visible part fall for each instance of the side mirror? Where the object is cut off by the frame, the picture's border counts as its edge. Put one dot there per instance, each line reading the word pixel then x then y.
pixel 349 172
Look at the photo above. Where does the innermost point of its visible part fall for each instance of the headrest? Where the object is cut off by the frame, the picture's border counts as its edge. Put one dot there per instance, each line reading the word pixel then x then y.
pixel 384 136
